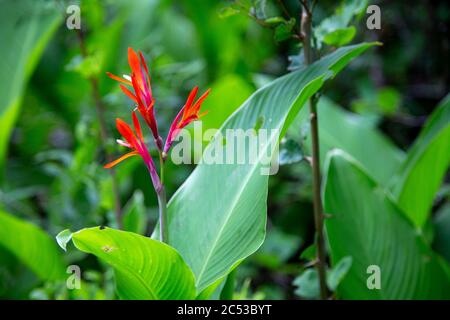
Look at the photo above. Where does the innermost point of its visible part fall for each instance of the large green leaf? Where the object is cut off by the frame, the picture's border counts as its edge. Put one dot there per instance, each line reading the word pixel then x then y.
pixel 368 226
pixel 25 28
pixel 350 132
pixel 428 160
pixel 218 216
pixel 32 246
pixel 145 268
pixel 441 223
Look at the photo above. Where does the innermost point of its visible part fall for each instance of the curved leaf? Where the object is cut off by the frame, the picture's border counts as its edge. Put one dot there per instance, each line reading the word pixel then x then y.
pixel 25 29
pixel 348 131
pixel 218 216
pixel 427 162
pixel 145 268
pixel 441 224
pixel 32 246
pixel 368 226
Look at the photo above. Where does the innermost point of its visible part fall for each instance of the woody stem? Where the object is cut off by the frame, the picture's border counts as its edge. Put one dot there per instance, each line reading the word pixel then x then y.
pixel 306 32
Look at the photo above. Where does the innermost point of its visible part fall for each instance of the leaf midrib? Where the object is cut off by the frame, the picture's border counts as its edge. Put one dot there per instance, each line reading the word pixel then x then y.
pixel 247 178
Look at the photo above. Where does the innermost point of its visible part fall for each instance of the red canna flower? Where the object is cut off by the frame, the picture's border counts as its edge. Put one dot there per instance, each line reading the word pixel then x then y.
pixel 187 114
pixel 135 142
pixel 142 96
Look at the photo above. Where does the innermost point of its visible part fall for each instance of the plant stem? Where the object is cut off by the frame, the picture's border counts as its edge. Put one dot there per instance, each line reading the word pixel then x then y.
pixel 162 204
pixel 163 227
pixel 100 110
pixel 306 20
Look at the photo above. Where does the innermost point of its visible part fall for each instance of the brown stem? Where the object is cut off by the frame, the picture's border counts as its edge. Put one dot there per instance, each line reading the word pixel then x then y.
pixel 284 9
pixel 306 18
pixel 100 110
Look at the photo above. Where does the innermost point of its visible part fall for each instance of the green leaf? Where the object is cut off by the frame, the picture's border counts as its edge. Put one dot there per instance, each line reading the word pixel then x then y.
pixel 441 223
pixel 308 284
pixel 144 268
pixel 218 216
pixel 339 271
pixel 310 253
pixel 275 20
pixel 428 160
pixel 335 30
pixel 350 132
pixel 32 246
pixel 229 11
pixel 63 238
pixel 25 29
pixel 388 100
pixel 340 37
pixel 134 218
pixel 368 226
pixel 220 103
pixel 284 30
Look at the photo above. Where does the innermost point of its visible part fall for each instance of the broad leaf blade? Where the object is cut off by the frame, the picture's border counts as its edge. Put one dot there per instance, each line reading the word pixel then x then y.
pixel 145 268
pixel 428 160
pixel 368 226
pixel 350 132
pixel 31 245
pixel 218 216
pixel 441 223
pixel 25 28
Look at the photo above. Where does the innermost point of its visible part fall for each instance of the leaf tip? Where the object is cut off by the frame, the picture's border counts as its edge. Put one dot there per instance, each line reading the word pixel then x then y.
pixel 63 238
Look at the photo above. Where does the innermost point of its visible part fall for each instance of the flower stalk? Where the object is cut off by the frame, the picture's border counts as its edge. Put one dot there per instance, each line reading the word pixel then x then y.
pixel 162 203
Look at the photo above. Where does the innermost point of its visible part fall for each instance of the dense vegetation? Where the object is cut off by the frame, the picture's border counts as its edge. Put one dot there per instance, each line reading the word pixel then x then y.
pixel 377 225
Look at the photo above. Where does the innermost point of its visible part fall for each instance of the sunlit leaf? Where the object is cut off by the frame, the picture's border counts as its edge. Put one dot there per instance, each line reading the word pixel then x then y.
pixel 144 268
pixel 220 208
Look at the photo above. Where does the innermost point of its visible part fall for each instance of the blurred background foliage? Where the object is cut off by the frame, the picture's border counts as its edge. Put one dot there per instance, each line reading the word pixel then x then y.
pixel 54 88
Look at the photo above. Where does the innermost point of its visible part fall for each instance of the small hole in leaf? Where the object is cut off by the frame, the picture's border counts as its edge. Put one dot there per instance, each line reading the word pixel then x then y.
pixel 107 248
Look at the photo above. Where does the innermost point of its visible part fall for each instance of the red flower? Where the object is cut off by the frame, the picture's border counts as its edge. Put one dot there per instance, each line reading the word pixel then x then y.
pixel 142 96
pixel 187 114
pixel 135 142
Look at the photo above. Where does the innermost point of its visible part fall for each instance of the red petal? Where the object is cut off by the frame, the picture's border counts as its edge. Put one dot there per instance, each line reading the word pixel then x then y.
pixel 129 93
pixel 135 66
pixel 126 132
pixel 118 78
pixel 200 100
pixel 139 101
pixel 125 156
pixel 191 97
pixel 137 127
pixel 146 71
